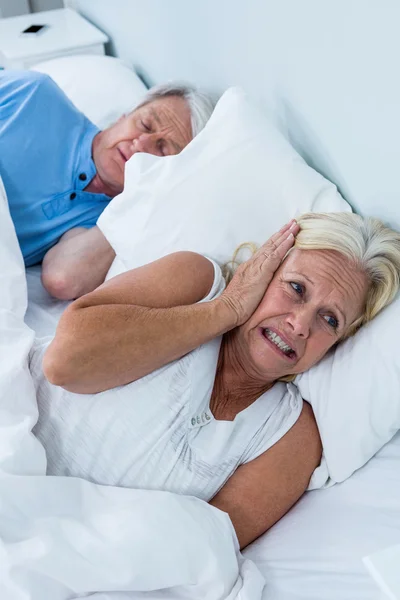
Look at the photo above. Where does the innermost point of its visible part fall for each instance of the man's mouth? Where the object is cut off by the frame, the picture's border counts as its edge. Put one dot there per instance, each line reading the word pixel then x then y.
pixel 279 343
pixel 122 155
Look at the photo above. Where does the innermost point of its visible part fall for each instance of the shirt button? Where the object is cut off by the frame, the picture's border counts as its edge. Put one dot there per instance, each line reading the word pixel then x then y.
pixel 193 421
pixel 72 196
pixel 82 176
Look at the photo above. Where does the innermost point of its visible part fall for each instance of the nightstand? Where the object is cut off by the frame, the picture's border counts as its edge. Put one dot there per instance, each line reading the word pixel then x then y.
pixel 66 33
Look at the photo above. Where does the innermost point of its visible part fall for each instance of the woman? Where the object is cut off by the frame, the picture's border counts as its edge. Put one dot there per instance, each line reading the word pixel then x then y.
pixel 199 409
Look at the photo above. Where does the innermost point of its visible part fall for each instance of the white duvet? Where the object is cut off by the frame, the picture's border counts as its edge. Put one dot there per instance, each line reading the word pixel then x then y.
pixel 64 538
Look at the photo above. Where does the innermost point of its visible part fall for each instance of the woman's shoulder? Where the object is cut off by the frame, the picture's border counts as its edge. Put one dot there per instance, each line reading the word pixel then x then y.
pixel 277 411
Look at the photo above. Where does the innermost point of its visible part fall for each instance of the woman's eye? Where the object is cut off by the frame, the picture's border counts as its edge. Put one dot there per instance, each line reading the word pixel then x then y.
pixel 332 322
pixel 146 126
pixel 298 288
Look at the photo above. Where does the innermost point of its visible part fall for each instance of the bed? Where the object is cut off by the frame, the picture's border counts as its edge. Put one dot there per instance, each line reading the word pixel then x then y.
pixel 327 80
pixel 317 550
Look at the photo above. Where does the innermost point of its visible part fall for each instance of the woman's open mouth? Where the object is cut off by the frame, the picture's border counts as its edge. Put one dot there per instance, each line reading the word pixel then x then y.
pixel 278 344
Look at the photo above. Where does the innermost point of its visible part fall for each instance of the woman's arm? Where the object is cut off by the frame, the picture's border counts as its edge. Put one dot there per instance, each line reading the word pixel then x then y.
pixel 141 320
pixel 136 323
pixel 260 492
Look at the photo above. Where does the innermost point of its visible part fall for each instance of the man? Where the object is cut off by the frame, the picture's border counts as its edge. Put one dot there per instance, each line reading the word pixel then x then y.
pixel 60 171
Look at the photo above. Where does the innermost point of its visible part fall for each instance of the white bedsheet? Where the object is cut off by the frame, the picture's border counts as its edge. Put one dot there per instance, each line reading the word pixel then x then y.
pixel 64 538
pixel 43 311
pixel 316 551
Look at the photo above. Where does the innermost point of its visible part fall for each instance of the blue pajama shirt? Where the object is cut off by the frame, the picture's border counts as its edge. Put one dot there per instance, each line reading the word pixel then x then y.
pixel 45 162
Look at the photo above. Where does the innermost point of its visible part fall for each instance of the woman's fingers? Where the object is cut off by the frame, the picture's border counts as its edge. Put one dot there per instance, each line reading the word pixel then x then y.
pixel 281 232
pixel 278 237
pixel 279 244
pixel 281 235
pixel 252 278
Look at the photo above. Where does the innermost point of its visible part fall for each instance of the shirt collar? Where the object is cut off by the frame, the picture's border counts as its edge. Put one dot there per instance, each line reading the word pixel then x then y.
pixel 85 164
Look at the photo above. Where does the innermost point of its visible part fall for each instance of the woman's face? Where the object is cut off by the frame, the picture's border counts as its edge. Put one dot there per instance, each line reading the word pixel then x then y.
pixel 312 300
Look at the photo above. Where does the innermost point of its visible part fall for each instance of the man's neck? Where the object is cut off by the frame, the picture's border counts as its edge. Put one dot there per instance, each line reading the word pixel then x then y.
pixel 97 186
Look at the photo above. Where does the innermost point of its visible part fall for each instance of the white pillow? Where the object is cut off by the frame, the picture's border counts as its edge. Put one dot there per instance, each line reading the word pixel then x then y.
pixel 355 394
pixel 239 180
pixel 102 87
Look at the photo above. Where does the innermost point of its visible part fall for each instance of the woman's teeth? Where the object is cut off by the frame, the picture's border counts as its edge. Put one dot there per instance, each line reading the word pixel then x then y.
pixel 275 339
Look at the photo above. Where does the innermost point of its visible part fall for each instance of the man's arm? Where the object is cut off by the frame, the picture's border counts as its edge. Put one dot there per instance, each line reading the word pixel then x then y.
pixel 78 264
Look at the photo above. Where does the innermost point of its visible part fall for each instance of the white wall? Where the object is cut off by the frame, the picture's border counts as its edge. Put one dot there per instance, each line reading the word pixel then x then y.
pixel 222 42
pixel 39 5
pixel 153 34
pixel 12 8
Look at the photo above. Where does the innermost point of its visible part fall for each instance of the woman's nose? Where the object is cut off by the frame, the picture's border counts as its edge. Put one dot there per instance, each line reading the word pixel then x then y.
pixel 300 321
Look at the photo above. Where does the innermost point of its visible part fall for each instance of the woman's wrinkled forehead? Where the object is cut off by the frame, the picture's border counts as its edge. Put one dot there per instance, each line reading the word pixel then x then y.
pixel 331 276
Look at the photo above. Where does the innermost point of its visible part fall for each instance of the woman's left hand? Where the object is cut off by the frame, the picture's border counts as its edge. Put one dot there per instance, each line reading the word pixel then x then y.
pixel 251 279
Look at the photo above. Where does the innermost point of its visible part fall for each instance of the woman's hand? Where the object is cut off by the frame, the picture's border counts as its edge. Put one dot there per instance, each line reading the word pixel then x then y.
pixel 250 281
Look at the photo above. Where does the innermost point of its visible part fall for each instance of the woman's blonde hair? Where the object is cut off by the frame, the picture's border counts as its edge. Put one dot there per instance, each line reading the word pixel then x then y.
pixel 370 245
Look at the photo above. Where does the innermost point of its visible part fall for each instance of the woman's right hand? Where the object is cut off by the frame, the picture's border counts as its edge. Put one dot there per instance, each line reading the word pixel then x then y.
pixel 252 278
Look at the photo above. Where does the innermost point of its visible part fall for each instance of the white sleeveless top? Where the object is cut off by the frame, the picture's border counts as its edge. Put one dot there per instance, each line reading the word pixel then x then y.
pixel 158 432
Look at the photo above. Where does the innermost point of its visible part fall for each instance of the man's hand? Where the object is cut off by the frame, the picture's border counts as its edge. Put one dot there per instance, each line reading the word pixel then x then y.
pixel 78 264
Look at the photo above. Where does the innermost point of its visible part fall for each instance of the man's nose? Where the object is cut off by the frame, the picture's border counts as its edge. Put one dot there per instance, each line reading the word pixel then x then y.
pixel 144 143
pixel 300 321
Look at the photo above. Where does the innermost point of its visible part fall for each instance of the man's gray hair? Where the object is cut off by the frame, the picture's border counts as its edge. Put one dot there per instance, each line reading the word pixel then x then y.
pixel 200 104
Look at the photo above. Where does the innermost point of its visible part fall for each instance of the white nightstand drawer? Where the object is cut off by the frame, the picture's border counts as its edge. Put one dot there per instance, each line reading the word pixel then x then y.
pixel 34 59
pixel 67 33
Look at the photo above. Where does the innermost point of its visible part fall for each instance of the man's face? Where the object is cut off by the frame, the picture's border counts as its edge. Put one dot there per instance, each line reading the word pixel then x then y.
pixel 162 127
